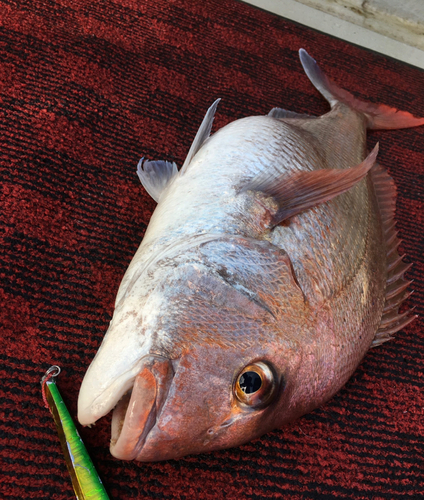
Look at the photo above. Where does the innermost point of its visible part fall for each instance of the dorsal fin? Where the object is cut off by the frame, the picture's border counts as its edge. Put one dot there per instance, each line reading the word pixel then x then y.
pixel 396 293
pixel 379 116
pixel 201 136
pixel 155 176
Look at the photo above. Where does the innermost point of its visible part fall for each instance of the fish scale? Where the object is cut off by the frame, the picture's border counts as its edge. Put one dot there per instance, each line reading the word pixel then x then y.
pixel 271 256
pixel 306 235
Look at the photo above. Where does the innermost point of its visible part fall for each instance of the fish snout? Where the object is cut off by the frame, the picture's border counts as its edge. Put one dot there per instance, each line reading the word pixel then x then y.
pixel 137 412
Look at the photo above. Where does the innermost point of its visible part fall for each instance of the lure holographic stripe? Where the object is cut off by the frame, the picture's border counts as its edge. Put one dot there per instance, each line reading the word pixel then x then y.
pixel 85 480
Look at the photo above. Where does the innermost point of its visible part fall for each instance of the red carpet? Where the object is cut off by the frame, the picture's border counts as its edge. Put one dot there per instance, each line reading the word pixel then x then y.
pixel 86 89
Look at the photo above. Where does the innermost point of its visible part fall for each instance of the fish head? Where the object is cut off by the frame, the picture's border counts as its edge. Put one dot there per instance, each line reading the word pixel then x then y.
pixel 216 398
pixel 207 361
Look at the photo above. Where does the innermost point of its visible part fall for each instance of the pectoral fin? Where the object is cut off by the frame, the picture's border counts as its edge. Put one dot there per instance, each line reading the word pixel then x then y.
pixel 296 192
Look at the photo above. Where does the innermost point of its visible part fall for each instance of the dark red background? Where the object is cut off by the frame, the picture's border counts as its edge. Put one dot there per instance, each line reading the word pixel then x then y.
pixel 86 89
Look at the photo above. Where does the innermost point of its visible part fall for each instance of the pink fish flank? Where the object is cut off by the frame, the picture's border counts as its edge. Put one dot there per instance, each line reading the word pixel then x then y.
pixel 268 270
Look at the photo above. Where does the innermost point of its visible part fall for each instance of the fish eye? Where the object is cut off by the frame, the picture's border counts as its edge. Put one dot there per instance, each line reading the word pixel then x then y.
pixel 255 385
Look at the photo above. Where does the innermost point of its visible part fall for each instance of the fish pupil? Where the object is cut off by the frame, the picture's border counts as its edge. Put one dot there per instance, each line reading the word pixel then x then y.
pixel 250 382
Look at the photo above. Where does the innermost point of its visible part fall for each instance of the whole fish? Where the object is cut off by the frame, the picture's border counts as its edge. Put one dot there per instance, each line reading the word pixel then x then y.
pixel 268 270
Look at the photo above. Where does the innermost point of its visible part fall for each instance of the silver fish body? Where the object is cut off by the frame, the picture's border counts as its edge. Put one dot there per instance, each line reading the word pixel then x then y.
pixel 268 269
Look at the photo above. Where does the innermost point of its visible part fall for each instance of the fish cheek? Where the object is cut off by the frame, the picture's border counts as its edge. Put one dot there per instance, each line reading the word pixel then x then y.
pixel 198 396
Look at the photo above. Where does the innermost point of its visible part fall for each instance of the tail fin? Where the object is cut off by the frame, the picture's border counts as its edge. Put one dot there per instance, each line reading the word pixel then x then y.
pixel 379 116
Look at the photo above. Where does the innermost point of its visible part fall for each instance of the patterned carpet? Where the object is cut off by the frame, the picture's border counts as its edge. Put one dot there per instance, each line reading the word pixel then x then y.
pixel 86 89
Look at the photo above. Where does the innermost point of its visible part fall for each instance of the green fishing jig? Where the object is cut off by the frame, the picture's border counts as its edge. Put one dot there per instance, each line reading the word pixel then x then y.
pixel 85 480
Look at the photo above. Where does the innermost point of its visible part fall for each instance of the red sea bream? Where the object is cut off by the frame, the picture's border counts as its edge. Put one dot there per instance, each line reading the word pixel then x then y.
pixel 268 270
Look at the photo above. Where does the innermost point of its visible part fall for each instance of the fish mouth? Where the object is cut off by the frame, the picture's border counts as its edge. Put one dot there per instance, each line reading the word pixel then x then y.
pixel 137 412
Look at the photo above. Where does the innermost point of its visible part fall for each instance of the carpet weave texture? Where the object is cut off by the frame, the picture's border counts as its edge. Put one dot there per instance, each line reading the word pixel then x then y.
pixel 87 89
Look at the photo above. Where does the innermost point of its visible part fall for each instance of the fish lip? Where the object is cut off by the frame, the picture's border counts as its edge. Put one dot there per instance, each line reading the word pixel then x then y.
pixel 124 445
pixel 91 411
pixel 136 414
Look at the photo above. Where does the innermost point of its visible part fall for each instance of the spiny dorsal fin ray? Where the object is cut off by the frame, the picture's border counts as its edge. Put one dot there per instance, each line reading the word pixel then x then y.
pixel 379 116
pixel 393 263
pixel 393 304
pixel 155 176
pixel 294 193
pixel 385 334
pixel 398 272
pixel 202 134
pixel 394 317
pixel 396 285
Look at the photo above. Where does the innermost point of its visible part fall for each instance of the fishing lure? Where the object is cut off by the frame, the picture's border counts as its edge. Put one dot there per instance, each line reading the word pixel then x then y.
pixel 85 480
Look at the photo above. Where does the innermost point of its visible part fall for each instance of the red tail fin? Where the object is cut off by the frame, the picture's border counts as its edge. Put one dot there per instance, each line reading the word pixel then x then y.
pixel 379 116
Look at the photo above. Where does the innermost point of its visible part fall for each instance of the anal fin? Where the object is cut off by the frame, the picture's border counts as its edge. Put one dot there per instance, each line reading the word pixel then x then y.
pixel 280 114
pixel 391 321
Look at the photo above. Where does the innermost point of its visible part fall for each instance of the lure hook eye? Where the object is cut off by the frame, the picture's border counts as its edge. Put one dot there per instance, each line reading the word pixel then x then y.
pixel 255 385
pixel 52 372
